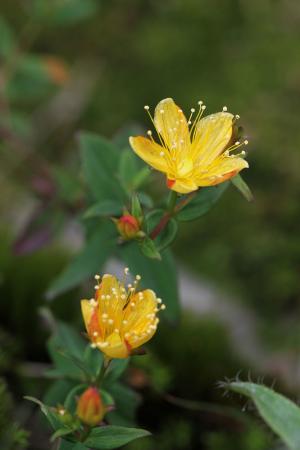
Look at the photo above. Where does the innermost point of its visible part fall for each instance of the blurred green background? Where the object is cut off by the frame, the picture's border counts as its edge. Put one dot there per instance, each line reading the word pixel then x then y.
pixel 68 65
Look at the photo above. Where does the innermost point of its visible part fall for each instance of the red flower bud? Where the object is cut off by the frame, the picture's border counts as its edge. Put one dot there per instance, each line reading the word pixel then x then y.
pixel 90 408
pixel 128 226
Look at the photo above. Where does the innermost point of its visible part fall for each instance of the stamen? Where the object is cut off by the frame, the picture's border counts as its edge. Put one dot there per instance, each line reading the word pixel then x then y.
pixel 224 108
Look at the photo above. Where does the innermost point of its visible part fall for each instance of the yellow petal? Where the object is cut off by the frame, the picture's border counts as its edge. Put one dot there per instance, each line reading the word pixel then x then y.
pixel 109 283
pixel 116 348
pixel 212 135
pixel 152 153
pixel 182 186
pixel 110 301
pixel 139 319
pixel 172 125
pixel 222 169
pixel 87 312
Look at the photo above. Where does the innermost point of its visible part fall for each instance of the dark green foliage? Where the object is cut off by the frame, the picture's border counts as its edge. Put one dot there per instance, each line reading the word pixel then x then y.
pixel 12 436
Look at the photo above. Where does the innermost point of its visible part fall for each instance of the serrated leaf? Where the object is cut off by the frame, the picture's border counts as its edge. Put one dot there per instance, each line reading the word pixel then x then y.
pixel 149 249
pixel 161 276
pixel 104 208
pixel 100 162
pixel 203 201
pixel 280 413
pixel 96 251
pixel 242 186
pixel 167 235
pixel 110 437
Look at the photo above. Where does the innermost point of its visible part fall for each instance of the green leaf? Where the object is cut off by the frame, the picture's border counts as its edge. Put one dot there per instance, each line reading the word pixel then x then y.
pixel 104 208
pixel 70 402
pixel 66 349
pixel 48 412
pixel 58 391
pixel 64 445
pixel 67 185
pixel 149 249
pixel 145 200
pixel 107 399
pixel 131 175
pixel 116 368
pixel 100 161
pixel 243 187
pixel 93 360
pixel 63 12
pixel 203 201
pixel 126 402
pixel 7 41
pixel 109 437
pixel 31 79
pixel 128 168
pixel 97 249
pixel 136 209
pixel 280 413
pixel 140 177
pixel 64 431
pixel 168 234
pixel 161 276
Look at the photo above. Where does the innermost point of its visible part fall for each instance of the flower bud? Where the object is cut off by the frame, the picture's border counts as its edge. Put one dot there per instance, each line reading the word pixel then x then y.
pixel 90 408
pixel 128 226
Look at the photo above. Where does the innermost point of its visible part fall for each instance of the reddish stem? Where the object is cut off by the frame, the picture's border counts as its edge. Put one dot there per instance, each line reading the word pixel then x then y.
pixel 161 225
pixel 167 216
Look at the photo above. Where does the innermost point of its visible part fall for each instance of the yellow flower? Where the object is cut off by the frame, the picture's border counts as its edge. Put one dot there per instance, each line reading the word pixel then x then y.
pixel 119 320
pixel 191 153
pixel 90 408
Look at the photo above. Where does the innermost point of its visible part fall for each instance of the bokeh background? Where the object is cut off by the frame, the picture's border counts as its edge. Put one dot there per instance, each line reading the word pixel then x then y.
pixel 66 66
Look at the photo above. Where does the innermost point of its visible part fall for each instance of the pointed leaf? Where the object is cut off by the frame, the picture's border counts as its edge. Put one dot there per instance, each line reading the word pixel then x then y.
pixel 104 208
pixel 280 413
pixel 203 201
pixel 100 161
pixel 89 261
pixel 109 437
pixel 243 187
pixel 149 249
